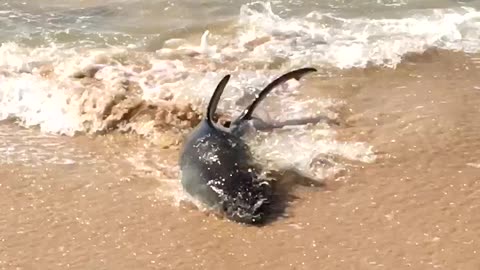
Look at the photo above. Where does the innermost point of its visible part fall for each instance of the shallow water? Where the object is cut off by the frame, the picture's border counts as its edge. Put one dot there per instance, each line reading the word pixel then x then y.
pixel 95 100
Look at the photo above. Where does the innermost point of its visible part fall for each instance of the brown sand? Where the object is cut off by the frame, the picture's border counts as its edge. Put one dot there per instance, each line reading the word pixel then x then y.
pixel 416 207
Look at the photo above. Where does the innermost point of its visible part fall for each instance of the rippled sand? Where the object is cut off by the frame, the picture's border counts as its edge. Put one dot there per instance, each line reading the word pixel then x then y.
pixel 80 203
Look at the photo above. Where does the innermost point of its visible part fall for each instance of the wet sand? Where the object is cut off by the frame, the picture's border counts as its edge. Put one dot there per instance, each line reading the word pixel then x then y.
pixel 416 207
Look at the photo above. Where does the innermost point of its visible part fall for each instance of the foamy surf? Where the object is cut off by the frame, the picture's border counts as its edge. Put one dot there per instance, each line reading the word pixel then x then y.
pixel 44 74
pixel 325 38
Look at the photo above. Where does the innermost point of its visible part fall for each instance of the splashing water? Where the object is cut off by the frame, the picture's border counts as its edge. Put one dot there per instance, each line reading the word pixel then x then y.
pixel 68 88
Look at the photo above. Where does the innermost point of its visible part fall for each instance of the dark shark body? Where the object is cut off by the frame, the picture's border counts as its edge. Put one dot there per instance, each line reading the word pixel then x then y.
pixel 217 167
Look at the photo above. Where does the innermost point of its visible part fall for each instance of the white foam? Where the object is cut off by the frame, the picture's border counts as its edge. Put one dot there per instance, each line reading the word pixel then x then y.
pixel 312 152
pixel 59 103
pixel 327 39
pixel 392 3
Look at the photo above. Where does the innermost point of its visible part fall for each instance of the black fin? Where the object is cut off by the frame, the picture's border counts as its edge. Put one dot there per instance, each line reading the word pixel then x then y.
pixel 212 105
pixel 296 74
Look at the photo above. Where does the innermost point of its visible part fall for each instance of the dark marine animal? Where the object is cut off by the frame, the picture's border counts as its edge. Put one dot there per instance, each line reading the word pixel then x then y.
pixel 216 164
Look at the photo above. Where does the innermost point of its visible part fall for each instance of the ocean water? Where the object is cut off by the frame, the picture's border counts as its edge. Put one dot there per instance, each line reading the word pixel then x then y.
pixel 179 49
pixel 83 68
pixel 96 98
